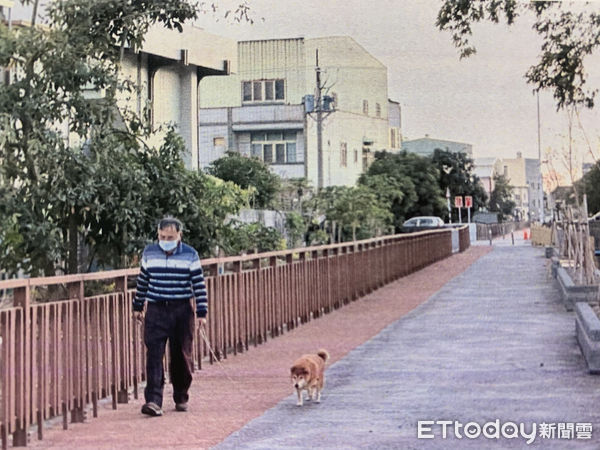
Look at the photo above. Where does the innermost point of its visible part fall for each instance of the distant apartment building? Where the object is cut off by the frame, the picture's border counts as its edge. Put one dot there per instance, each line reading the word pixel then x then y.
pixel 264 110
pixel 426 146
pixel 524 175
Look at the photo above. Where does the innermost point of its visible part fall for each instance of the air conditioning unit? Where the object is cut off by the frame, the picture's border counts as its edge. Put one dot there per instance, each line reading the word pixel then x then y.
pixel 309 103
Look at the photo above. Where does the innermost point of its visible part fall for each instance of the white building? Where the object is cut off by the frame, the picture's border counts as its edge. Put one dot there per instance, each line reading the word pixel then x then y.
pixel 486 169
pixel 168 69
pixel 261 110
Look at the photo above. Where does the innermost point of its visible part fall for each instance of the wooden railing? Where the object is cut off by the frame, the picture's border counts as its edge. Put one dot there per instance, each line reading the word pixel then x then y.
pixel 57 357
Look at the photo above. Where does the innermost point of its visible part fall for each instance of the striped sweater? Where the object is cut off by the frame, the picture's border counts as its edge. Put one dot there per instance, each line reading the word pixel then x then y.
pixel 171 277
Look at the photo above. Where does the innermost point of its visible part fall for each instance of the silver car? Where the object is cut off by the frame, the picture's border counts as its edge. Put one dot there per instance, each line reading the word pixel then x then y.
pixel 422 222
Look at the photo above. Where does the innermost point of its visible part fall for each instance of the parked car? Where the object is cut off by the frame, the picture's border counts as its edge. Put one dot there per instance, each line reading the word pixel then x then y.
pixel 422 223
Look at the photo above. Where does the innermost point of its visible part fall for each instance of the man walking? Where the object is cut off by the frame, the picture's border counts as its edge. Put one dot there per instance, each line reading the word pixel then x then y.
pixel 170 276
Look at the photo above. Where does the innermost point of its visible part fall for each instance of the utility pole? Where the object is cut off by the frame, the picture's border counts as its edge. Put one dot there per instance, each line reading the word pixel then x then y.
pixel 319 111
pixel 322 109
pixel 541 179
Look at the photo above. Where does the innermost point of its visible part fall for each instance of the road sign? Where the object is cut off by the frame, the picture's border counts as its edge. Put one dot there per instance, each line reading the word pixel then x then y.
pixel 458 201
pixel 468 201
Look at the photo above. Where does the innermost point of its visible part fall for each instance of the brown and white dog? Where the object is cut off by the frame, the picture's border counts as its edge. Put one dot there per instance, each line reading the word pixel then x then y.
pixel 308 374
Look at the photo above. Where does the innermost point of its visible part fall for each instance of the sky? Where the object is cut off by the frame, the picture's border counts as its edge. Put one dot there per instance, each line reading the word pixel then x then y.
pixel 483 100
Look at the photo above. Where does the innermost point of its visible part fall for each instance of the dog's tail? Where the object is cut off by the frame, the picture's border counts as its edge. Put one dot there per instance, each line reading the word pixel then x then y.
pixel 323 354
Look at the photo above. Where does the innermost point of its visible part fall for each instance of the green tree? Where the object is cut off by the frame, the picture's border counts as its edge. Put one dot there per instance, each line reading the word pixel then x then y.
pixel 501 198
pixel 568 37
pixel 251 237
pixel 295 227
pixel 351 212
pixel 104 188
pixel 358 208
pixel 413 185
pixel 457 174
pixel 590 186
pixel 248 173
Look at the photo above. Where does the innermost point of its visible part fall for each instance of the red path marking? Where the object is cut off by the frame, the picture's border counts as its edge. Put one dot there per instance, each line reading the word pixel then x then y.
pixel 219 407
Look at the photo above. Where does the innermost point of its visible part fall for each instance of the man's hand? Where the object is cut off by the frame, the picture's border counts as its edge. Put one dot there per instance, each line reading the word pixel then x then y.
pixel 139 316
pixel 201 322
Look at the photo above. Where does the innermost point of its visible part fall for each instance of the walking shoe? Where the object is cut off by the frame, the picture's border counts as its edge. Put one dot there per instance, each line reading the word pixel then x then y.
pixel 181 407
pixel 152 409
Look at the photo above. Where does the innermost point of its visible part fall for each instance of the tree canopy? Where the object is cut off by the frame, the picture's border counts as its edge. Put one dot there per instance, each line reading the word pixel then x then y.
pixel 408 183
pixel 501 198
pixel 568 37
pixel 589 185
pixel 248 173
pixel 457 174
pixel 76 171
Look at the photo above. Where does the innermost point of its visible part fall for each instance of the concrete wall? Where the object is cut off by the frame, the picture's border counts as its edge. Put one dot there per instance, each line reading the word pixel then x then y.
pixel 204 49
pixel 174 96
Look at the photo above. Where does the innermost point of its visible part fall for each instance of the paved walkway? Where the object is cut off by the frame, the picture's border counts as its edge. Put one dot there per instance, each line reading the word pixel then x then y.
pixel 456 341
pixel 493 343
pixel 224 399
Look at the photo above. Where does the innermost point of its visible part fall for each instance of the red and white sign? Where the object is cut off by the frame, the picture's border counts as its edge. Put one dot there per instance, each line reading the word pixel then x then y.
pixel 468 201
pixel 458 202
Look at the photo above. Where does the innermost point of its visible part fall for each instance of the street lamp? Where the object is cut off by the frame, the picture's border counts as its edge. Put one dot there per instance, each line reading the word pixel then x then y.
pixel 447 169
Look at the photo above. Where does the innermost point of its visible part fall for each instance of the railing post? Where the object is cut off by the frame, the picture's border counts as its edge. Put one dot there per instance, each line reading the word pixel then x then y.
pixel 76 291
pixel 22 299
pixel 121 287
pixel 238 345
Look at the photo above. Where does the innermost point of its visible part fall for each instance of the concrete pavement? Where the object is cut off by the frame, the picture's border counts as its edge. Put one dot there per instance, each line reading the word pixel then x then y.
pixel 494 343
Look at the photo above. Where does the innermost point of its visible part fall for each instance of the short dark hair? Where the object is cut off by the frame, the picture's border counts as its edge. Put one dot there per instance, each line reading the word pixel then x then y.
pixel 168 222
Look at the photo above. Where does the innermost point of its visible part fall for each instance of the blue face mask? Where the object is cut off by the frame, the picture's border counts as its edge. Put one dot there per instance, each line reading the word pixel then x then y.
pixel 168 246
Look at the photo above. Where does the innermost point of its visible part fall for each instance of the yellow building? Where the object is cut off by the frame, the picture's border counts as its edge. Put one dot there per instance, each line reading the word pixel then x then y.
pixel 524 176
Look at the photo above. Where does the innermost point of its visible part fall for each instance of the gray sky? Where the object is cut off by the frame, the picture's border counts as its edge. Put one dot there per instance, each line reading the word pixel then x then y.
pixel 482 100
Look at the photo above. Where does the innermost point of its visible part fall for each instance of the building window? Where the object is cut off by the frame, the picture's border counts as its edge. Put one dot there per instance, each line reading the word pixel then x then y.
pixel 343 154
pixel 366 107
pixel 269 91
pixel 274 147
pixel 279 90
pixel 257 88
pixel 377 110
pixel 393 138
pixel 247 91
pixel 355 156
pixel 505 171
pixel 263 90
pixel 219 142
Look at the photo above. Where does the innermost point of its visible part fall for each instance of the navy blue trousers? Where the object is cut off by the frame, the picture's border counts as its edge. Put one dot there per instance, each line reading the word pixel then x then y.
pixel 173 322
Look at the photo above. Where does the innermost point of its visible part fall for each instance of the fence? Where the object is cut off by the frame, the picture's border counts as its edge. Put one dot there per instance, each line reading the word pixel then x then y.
pixel 497 229
pixel 57 357
pixel 542 235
